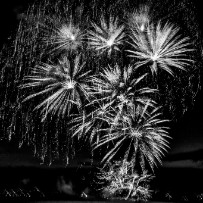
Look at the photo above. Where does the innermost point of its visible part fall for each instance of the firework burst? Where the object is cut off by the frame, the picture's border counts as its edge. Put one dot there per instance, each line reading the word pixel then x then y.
pixel 114 94
pixel 68 37
pixel 55 46
pixel 143 135
pixel 63 86
pixel 107 37
pixel 139 19
pixel 121 89
pixel 161 47
pixel 123 182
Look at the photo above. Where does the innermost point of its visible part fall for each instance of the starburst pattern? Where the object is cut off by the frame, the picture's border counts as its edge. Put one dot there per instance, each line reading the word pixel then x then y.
pixel 121 89
pixel 114 94
pixel 143 135
pixel 123 182
pixel 161 47
pixel 64 85
pixel 107 37
pixel 65 37
pixel 139 19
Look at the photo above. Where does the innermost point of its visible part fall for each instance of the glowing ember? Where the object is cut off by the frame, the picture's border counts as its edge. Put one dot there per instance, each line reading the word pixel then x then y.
pixel 110 42
pixel 154 57
pixel 69 85
pixel 142 27
pixel 72 37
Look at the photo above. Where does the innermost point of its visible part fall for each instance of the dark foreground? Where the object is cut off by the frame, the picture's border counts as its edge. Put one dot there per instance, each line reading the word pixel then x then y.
pixel 42 185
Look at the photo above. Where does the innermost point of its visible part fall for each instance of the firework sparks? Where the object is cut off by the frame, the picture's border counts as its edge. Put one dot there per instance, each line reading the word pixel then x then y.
pixel 145 135
pixel 106 37
pixel 123 182
pixel 140 19
pixel 56 45
pixel 65 83
pixel 66 37
pixel 121 89
pixel 161 47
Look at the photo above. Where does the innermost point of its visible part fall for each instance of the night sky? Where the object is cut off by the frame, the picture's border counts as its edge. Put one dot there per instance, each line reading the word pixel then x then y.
pixel 186 151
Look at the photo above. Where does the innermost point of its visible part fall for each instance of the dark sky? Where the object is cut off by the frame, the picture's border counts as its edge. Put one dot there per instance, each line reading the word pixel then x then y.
pixel 187 144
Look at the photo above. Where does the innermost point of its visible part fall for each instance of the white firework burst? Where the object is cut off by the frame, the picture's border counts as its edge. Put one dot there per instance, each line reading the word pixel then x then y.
pixel 63 86
pixel 139 19
pixel 123 182
pixel 143 136
pixel 65 37
pixel 161 47
pixel 106 37
pixel 121 89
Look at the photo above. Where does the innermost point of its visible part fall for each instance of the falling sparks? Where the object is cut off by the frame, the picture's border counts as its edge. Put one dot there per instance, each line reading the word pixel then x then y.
pixel 74 71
